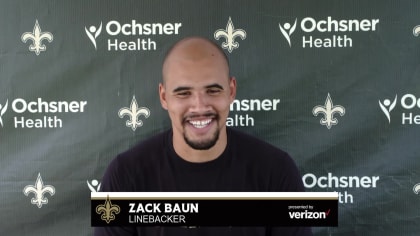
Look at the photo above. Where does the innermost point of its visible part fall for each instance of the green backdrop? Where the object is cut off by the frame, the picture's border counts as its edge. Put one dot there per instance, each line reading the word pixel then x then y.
pixel 334 83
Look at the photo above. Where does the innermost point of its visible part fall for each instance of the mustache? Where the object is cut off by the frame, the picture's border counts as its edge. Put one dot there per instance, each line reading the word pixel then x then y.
pixel 198 115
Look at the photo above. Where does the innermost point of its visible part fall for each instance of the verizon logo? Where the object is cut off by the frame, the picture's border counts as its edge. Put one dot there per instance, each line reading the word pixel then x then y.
pixel 309 214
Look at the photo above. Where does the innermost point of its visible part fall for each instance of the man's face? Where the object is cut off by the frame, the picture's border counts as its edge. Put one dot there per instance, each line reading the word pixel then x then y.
pixel 197 94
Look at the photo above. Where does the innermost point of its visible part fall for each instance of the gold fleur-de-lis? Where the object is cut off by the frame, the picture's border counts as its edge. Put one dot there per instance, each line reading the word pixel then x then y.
pixel 328 110
pixel 37 36
pixel 107 210
pixel 230 33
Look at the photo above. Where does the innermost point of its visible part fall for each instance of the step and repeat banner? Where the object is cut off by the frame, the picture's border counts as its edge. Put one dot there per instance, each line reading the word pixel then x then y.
pixel 336 84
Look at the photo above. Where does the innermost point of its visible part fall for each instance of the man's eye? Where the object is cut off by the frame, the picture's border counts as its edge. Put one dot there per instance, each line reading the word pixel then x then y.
pixel 183 94
pixel 213 91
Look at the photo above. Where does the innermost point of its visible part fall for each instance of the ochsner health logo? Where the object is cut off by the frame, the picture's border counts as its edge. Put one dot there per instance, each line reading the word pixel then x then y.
pixel 387 106
pixel 410 106
pixel 3 109
pixel 287 30
pixel 137 36
pixel 93 33
pixel 39 113
pixel 327 32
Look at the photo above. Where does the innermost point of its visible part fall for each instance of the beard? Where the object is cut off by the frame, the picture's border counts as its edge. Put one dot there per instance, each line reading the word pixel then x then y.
pixel 204 144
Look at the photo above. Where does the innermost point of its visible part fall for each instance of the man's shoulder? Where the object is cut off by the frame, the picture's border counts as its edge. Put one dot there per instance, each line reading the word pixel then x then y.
pixel 272 164
pixel 253 144
pixel 259 152
pixel 127 170
pixel 148 148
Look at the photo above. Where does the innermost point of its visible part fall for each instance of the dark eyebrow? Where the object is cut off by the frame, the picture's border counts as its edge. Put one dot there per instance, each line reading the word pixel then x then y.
pixel 184 88
pixel 181 89
pixel 215 86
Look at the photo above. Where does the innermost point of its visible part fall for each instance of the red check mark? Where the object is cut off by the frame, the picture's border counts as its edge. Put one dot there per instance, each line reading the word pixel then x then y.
pixel 327 212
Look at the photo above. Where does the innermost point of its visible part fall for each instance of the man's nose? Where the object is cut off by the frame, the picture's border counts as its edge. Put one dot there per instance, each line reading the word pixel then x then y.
pixel 200 102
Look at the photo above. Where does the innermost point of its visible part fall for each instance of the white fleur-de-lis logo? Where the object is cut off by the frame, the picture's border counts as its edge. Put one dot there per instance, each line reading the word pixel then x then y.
pixel 93 33
pixel 416 188
pixel 3 109
pixel 329 111
pixel 134 112
pixel 387 107
pixel 416 30
pixel 37 36
pixel 287 30
pixel 94 186
pixel 39 189
pixel 230 33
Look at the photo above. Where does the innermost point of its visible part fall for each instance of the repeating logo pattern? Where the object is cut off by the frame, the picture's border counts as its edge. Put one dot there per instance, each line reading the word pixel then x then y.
pixel 329 110
pixel 39 190
pixel 134 112
pixel 37 37
pixel 230 33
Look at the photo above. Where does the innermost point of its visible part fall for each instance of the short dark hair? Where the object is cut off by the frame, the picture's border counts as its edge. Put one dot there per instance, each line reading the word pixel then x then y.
pixel 169 51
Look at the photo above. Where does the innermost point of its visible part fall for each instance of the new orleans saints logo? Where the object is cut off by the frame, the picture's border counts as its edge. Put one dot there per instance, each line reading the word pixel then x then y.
pixel 329 111
pixel 37 36
pixel 230 33
pixel 416 30
pixel 107 210
pixel 416 188
pixel 134 111
pixel 39 189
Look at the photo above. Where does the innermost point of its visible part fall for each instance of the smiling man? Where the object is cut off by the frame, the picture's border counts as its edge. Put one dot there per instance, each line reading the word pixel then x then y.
pixel 199 153
pixel 197 91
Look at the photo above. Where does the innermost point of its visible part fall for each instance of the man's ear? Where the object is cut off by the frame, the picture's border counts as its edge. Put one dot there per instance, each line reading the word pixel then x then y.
pixel 232 87
pixel 162 96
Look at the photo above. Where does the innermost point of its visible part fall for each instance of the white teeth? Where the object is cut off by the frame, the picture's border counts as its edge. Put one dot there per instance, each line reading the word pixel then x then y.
pixel 200 123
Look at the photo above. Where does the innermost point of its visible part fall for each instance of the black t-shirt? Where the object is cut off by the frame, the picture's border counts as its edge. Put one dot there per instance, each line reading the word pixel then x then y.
pixel 246 165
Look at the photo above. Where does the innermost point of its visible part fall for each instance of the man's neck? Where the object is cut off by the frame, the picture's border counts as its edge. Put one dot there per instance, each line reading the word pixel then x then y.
pixel 189 154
